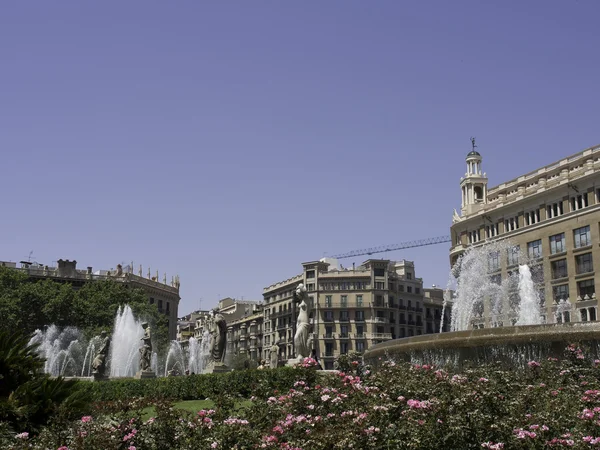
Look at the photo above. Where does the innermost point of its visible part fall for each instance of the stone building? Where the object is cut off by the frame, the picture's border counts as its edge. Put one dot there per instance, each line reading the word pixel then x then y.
pixel 244 326
pixel 186 326
pixel 164 295
pixel 245 335
pixel 551 216
pixel 351 308
pixel 433 303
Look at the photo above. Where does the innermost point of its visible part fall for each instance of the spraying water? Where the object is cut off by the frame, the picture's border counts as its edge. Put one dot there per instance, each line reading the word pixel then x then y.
pixel 175 359
pixel 62 350
pixel 124 355
pixel 480 291
pixel 529 310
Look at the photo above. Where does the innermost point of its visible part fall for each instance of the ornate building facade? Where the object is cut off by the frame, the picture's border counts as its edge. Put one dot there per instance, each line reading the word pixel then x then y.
pixel 551 216
pixel 351 309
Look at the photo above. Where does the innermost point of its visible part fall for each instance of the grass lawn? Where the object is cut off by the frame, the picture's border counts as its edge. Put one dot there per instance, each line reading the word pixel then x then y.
pixel 191 405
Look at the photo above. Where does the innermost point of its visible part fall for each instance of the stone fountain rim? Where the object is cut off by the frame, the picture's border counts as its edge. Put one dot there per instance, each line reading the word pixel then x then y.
pixel 488 337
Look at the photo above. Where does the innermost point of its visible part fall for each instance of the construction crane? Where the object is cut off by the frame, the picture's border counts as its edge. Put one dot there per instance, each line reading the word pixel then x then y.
pixel 391 248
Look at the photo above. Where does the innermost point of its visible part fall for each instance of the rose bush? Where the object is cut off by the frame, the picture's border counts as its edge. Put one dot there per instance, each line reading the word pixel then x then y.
pixel 548 404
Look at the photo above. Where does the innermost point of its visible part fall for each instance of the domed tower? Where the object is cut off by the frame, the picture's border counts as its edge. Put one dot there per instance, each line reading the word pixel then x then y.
pixel 474 184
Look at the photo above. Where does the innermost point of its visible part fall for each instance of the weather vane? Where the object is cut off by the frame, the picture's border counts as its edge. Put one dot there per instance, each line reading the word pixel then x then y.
pixel 473 143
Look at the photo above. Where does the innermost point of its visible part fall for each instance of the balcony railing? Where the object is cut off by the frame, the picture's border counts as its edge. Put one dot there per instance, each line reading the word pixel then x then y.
pixel 379 320
pixel 382 336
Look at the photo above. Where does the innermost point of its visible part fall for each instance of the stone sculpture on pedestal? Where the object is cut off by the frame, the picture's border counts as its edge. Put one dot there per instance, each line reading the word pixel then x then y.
pixel 302 339
pixel 218 343
pixel 100 360
pixel 146 355
pixel 274 356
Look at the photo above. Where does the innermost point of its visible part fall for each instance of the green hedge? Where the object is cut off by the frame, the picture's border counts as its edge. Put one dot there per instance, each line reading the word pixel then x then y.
pixel 240 383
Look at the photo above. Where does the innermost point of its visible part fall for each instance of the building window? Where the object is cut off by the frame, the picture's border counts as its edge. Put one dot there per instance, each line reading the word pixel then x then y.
pixel 557 243
pixel 474 236
pixel 152 300
pixel 344 316
pixel 359 316
pixel 328 316
pixel 160 305
pixel 491 231
pixel 586 287
pixel 494 261
pixel 511 224
pixel 496 279
pixel 344 331
pixel 408 276
pixel 328 348
pixel 359 300
pixel 554 210
pixel 328 301
pixel 417 290
pixel 344 301
pixel 409 289
pixel 513 255
pixel 310 287
pixel 360 346
pixel 578 202
pixel 401 288
pixel 560 292
pixel 584 263
pixel 532 217
pixel 582 237
pixel 534 249
pixel 310 274
pixel 380 285
pixel 559 269
pixel 328 332
pixel 168 307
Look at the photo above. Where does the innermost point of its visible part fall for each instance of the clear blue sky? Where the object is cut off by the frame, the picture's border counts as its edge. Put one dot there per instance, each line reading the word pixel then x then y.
pixel 231 141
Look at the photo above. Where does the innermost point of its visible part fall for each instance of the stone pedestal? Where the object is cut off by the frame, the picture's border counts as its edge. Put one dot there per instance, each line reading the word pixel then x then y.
pixel 99 377
pixel 293 361
pixel 142 375
pixel 216 368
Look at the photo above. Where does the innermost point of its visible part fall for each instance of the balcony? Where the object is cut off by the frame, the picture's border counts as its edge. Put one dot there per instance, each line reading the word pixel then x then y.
pixel 379 320
pixel 343 336
pixel 328 336
pixel 382 336
pixel 358 336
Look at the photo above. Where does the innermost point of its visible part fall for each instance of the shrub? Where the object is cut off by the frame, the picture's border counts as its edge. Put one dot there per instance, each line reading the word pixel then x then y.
pixel 29 398
pixel 242 383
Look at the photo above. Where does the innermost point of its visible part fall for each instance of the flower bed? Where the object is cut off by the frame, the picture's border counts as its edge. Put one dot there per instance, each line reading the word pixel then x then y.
pixel 550 404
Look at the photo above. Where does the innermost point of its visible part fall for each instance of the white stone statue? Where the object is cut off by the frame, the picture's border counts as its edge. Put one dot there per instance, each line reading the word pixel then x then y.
pixel 302 340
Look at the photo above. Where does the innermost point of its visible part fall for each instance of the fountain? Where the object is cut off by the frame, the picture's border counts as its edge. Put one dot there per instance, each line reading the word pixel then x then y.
pixel 176 357
pixel 62 350
pixel 124 353
pixel 529 311
pixel 512 332
pixel 192 359
pixel 67 353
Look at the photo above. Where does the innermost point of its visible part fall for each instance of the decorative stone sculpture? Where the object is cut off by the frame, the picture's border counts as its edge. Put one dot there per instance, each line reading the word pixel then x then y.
pixel 99 362
pixel 302 340
pixel 274 356
pixel 218 343
pixel 146 355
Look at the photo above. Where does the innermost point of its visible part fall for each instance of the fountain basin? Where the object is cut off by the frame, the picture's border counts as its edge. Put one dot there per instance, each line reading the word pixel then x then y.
pixel 514 346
